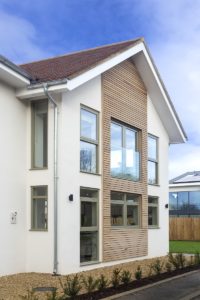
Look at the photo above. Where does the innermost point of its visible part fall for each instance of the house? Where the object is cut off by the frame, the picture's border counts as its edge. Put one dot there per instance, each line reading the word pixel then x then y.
pixel 84 160
pixel 184 195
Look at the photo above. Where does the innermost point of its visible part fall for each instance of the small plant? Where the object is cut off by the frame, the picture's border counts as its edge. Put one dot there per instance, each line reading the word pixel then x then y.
pixel 116 279
pixel 150 272
pixel 178 260
pixel 168 267
pixel 138 273
pixel 71 287
pixel 126 277
pixel 157 266
pixel 89 283
pixel 197 258
pixel 53 296
pixel 30 296
pixel 102 283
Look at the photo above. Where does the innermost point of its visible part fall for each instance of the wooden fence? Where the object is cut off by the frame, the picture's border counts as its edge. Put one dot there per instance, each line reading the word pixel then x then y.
pixel 184 229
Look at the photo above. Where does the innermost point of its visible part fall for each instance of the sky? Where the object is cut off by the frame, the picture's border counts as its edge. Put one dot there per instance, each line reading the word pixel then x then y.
pixel 33 30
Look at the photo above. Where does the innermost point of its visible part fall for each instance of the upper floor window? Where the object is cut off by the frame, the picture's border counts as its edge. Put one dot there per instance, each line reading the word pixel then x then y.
pixel 125 158
pixel 152 159
pixel 39 133
pixel 125 209
pixel 89 141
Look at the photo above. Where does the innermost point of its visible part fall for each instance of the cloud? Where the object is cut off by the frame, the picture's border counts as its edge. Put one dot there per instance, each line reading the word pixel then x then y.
pixel 19 39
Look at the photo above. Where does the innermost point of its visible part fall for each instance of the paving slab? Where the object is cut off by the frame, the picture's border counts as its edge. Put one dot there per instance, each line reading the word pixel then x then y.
pixel 185 287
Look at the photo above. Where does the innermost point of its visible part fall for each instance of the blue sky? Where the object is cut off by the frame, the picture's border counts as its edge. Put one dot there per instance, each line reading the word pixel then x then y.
pixel 33 30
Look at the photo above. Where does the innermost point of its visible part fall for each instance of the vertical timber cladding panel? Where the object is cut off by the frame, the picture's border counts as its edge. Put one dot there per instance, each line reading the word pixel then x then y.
pixel 124 99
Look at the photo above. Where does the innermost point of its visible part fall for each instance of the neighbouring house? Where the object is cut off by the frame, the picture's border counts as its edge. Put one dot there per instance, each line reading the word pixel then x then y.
pixel 184 206
pixel 84 160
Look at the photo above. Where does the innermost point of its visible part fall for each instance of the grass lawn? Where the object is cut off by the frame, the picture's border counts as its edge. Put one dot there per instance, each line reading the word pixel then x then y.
pixel 184 247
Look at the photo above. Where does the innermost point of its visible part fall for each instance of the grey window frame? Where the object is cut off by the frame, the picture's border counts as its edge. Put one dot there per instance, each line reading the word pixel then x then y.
pixel 45 198
pixel 157 206
pixel 91 228
pixel 33 167
pixel 123 139
pixel 91 141
pixel 125 204
pixel 155 161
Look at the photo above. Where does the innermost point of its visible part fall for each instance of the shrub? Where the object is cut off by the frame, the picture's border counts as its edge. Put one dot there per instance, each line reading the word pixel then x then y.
pixel 89 283
pixel 157 266
pixel 178 260
pixel 102 283
pixel 138 273
pixel 197 258
pixel 71 287
pixel 150 270
pixel 168 267
pixel 115 280
pixel 126 277
pixel 53 296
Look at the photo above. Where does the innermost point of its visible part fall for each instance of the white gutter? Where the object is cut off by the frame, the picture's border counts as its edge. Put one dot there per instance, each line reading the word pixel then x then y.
pixel 50 98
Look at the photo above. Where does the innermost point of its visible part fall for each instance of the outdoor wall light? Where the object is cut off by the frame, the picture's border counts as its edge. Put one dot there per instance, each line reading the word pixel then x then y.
pixel 71 197
pixel 166 205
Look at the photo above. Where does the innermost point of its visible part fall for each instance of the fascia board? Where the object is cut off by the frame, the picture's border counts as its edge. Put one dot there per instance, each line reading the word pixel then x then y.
pixel 179 185
pixel 12 77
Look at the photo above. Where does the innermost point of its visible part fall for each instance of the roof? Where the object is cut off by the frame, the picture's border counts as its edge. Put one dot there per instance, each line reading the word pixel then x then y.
pixel 6 62
pixel 70 65
pixel 188 177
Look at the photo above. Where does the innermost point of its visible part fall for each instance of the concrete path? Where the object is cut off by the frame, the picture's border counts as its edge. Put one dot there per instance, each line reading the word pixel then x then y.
pixel 186 287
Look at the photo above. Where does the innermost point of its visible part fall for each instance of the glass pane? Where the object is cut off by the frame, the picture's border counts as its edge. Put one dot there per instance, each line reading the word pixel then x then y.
pixel 40 134
pixel 117 196
pixel 88 157
pixel 130 139
pixel 132 215
pixel 116 215
pixel 173 204
pixel 152 200
pixel 86 193
pixel 153 216
pixel 132 198
pixel 88 124
pixel 88 214
pixel 152 148
pixel 183 204
pixel 39 214
pixel 116 149
pixel 88 246
pixel 40 191
pixel 152 172
pixel 194 202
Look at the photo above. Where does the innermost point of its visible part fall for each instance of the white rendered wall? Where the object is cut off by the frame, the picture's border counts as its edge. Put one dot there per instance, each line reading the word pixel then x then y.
pixel 158 239
pixel 70 177
pixel 13 122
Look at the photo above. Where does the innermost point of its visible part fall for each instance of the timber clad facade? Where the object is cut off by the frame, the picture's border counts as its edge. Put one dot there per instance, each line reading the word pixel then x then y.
pixel 124 100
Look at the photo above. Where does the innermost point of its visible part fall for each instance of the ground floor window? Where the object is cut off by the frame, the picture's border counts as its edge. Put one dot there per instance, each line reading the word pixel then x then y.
pixel 39 208
pixel 89 231
pixel 153 211
pixel 125 209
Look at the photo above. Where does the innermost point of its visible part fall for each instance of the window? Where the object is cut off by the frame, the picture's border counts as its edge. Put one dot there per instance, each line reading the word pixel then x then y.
pixel 185 203
pixel 39 214
pixel 89 141
pixel 153 211
pixel 89 225
pixel 125 159
pixel 39 134
pixel 152 159
pixel 125 209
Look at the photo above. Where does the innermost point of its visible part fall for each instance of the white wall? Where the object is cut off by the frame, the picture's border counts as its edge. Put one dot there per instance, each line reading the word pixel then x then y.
pixel 13 181
pixel 70 177
pixel 158 239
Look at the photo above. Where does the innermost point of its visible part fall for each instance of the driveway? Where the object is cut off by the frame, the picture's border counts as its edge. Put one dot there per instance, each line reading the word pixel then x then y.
pixel 186 287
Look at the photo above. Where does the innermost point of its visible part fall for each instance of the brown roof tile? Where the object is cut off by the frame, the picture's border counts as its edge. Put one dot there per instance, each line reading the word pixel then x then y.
pixel 70 65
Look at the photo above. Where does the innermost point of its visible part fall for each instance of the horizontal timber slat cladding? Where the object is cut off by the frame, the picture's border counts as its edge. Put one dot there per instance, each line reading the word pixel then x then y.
pixel 184 229
pixel 124 98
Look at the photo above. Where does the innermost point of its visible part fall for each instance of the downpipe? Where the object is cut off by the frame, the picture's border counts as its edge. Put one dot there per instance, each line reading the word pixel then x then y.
pixel 51 100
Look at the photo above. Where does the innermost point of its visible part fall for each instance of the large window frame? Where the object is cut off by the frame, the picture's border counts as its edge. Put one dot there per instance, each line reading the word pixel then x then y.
pixel 90 229
pixel 43 165
pixel 154 205
pixel 153 161
pixel 90 141
pixel 125 205
pixel 137 133
pixel 34 199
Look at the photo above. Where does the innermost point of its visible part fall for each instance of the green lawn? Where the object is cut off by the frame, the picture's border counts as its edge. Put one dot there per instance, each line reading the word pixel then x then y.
pixel 184 247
